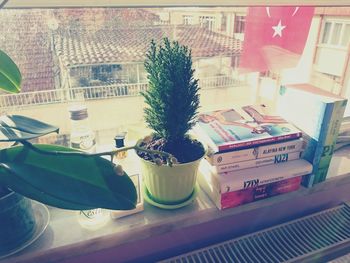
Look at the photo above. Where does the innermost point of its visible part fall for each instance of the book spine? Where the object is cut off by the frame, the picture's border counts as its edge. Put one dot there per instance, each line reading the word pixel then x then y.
pixel 320 152
pixel 281 148
pixel 252 177
pixel 233 199
pixel 278 158
pixel 330 141
pixel 232 156
pixel 246 144
pixel 240 197
pixel 258 152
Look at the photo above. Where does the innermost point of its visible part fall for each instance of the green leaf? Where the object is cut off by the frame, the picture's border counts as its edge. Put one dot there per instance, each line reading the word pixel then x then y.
pixel 10 76
pixel 77 182
pixel 20 128
pixel 172 99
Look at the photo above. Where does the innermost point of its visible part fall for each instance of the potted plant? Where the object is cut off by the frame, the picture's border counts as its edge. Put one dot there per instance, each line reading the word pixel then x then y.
pixel 51 174
pixel 172 106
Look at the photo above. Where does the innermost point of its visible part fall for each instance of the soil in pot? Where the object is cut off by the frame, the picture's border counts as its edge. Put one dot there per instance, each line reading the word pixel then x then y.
pixel 185 151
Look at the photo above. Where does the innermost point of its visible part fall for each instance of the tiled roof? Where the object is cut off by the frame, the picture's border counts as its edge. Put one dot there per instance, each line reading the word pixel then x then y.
pixel 122 45
pixel 98 18
pixel 24 36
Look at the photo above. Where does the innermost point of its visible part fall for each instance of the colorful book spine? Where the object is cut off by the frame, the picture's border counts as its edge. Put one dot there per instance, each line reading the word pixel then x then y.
pixel 259 152
pixel 247 144
pixel 252 177
pixel 243 144
pixel 320 124
pixel 244 196
pixel 243 127
pixel 275 159
pixel 324 151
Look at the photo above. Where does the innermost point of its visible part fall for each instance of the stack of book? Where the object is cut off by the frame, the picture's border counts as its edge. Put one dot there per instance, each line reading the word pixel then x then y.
pixel 251 155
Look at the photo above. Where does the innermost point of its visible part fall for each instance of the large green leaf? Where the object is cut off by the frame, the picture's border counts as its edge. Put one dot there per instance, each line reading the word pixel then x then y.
pixel 20 128
pixel 75 182
pixel 10 76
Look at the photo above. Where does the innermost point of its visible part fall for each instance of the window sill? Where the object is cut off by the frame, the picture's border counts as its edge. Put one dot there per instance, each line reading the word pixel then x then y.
pixel 154 233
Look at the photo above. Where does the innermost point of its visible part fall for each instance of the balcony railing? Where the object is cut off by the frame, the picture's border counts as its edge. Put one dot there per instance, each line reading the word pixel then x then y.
pixel 98 92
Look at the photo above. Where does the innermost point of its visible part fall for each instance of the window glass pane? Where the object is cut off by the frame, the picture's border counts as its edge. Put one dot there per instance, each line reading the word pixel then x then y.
pixel 336 33
pixel 223 22
pixel 239 24
pixel 102 50
pixel 207 22
pixel 187 20
pixel 326 32
pixel 346 36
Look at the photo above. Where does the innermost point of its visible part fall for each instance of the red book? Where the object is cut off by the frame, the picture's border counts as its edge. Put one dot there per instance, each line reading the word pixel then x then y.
pixel 248 195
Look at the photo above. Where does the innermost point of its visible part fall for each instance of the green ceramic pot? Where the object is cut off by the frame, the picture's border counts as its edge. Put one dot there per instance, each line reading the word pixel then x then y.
pixel 170 185
pixel 17 221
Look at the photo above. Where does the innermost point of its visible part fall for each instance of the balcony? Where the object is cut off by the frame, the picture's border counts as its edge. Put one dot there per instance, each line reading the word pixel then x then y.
pixel 112 105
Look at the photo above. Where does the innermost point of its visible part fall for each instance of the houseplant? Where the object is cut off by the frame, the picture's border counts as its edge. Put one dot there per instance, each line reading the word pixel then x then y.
pixel 172 106
pixel 51 174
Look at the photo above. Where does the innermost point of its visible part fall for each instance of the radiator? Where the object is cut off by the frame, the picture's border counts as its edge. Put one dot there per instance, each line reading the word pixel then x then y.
pixel 307 239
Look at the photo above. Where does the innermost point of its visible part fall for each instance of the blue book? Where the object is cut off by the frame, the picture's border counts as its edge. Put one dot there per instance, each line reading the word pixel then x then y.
pixel 318 114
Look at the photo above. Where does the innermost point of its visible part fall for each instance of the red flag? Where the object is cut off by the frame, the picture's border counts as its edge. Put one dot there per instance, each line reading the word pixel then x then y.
pixel 274 37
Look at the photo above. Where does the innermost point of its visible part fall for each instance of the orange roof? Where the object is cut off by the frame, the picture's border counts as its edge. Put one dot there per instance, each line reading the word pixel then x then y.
pixel 123 45
pixel 25 37
pixel 94 36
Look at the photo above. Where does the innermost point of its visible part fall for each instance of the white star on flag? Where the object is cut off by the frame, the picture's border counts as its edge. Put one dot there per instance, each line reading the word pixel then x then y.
pixel 278 29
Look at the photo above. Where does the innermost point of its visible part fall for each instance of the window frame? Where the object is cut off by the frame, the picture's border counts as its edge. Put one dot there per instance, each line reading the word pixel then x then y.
pixel 239 23
pixel 165 3
pixel 208 21
pixel 187 20
pixel 328 44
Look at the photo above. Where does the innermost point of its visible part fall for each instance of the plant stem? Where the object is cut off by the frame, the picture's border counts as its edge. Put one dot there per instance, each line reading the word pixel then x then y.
pixel 110 153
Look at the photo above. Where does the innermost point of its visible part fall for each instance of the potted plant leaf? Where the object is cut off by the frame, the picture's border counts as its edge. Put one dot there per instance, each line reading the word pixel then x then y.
pixel 51 174
pixel 172 106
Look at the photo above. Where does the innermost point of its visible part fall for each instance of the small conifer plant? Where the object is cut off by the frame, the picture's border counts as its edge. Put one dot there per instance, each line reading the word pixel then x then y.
pixel 172 101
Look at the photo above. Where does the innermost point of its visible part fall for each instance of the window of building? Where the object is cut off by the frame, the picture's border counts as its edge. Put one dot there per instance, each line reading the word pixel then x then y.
pixel 336 33
pixel 223 22
pixel 187 20
pixel 207 22
pixel 239 24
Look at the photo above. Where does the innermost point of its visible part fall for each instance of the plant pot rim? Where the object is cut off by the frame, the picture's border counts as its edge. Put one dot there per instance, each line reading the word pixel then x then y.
pixel 175 164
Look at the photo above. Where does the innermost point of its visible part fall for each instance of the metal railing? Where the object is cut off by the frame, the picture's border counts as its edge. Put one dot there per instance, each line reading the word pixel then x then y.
pixel 97 92
pixel 32 98
pixel 219 82
pixel 107 91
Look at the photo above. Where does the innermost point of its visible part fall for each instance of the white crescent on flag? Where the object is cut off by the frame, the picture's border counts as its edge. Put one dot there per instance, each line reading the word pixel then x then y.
pixel 269 14
pixel 295 11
